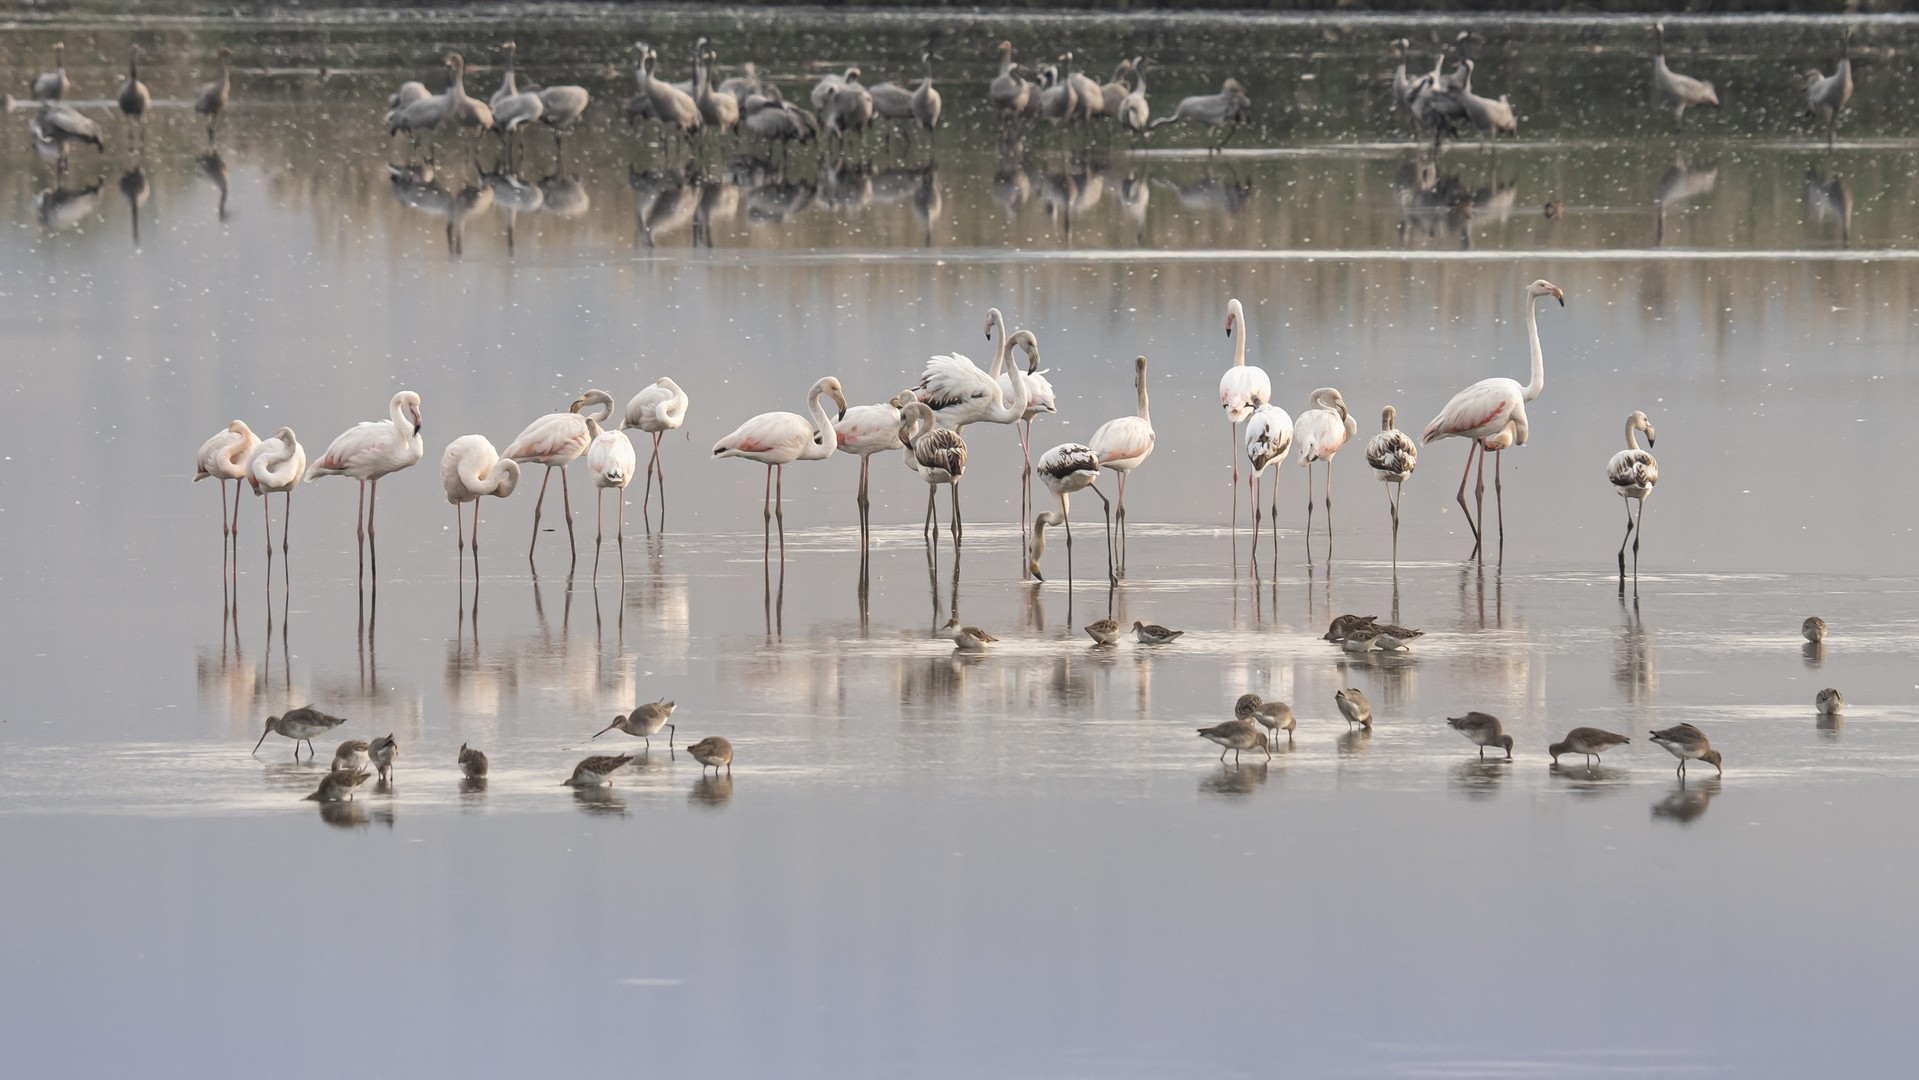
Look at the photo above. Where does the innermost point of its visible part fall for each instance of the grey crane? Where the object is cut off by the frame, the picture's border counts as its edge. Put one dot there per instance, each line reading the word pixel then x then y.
pixel 1680 91
pixel 1230 108
pixel 53 85
pixel 1825 94
pixel 211 100
pixel 133 96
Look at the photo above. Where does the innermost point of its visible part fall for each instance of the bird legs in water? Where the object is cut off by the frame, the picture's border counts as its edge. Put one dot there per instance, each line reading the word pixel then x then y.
pixel 1309 509
pixel 1634 529
pixel 930 530
pixel 363 527
pixel 1393 492
pixel 1472 449
pixel 1479 496
pixel 1119 527
pixel 567 503
pixel 1252 484
pixel 866 526
pixel 654 467
pixel 774 506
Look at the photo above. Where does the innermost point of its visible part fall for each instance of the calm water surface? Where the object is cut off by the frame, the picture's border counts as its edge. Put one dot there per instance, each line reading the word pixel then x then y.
pixel 1016 864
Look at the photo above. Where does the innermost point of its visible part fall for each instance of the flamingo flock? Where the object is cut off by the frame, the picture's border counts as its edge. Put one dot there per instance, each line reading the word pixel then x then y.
pixel 925 424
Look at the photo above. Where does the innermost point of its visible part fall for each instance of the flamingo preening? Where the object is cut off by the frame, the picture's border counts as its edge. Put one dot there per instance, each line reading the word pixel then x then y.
pixel 1269 434
pixel 1393 457
pixel 656 410
pixel 469 469
pixel 556 440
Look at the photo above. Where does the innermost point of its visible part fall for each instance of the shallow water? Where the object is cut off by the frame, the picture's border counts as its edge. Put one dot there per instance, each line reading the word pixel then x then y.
pixel 1020 863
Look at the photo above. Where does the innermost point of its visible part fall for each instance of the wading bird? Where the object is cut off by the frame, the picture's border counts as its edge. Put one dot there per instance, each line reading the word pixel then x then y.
pixel 1065 469
pixel 470 469
pixel 1269 434
pixel 1633 473
pixel 1228 108
pixel 1487 408
pixel 1688 743
pixel 276 464
pixel 370 450
pixel 1241 390
pixel 556 440
pixel 610 461
pixel 656 410
pixel 1827 94
pixel 211 101
pixel 1124 444
pixel 1393 457
pixel 865 430
pixel 1680 91
pixel 224 457
pixel 776 440
pixel 1318 434
pixel 53 85
pixel 938 454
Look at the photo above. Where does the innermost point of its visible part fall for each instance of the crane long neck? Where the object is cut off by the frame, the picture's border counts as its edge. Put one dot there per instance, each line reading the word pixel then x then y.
pixel 1538 381
pixel 133 66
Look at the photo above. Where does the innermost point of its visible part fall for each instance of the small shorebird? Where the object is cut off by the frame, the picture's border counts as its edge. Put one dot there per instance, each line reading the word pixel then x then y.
pixel 1814 628
pixel 646 722
pixel 351 756
pixel 1483 730
pixel 472 763
pixel 1153 634
pixel 1688 743
pixel 1590 742
pixel 596 771
pixel 1104 632
pixel 1343 625
pixel 1360 639
pixel 1236 735
pixel 966 638
pixel 338 785
pixel 1388 637
pixel 715 751
pixel 1274 716
pixel 383 750
pixel 1355 708
pixel 1831 702
pixel 300 725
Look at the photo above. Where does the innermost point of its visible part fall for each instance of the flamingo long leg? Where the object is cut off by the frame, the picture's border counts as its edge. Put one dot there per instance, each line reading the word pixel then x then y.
pixel 537 503
pixel 1252 488
pixel 1638 534
pixel 1111 577
pixel 958 528
pixel 566 503
pixel 766 518
pixel 1479 499
pixel 1499 492
pixel 459 528
pixel 1464 475
pixel 372 546
pixel 476 532
pixel 1273 518
pixel 1622 544
pixel 779 509
pixel 266 519
pixel 599 518
pixel 225 530
pixel 1235 456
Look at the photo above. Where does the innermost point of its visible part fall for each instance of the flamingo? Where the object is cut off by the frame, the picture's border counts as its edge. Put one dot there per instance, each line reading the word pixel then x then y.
pixel 1040 397
pixel 1486 409
pixel 1633 473
pixel 469 469
pixel 1318 434
pixel 1124 444
pixel 777 439
pixel 276 464
pixel 224 457
pixel 370 450
pixel 1269 434
pixel 556 440
pixel 1064 469
pixel 865 430
pixel 959 393
pixel 1241 390
pixel 610 461
pixel 938 454
pixel 1393 457
pixel 658 409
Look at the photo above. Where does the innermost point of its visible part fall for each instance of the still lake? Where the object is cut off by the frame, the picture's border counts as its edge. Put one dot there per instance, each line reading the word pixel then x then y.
pixel 1022 863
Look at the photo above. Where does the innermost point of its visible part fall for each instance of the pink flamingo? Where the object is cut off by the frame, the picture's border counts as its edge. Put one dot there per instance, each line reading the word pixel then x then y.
pixel 1124 444
pixel 1490 407
pixel 1318 434
pixel 224 457
pixel 1242 389
pixel 776 440
pixel 556 440
pixel 656 410
pixel 370 450
pixel 610 461
pixel 469 469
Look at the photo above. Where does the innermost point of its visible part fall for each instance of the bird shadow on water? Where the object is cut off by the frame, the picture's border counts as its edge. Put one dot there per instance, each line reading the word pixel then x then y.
pixel 1479 779
pixel 1233 780
pixel 712 792
pixel 1686 802
pixel 599 801
pixel 1589 781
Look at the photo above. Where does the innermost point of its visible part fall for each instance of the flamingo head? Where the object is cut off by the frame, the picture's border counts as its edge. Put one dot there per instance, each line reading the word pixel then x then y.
pixel 508 478
pixel 1234 314
pixel 1542 287
pixel 408 404
pixel 994 318
pixel 1639 422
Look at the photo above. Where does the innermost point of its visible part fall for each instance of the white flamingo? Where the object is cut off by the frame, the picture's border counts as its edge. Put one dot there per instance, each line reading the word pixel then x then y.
pixel 370 450
pixel 776 440
pixel 1123 445
pixel 276 464
pixel 1393 457
pixel 224 458
pixel 556 440
pixel 656 410
pixel 938 454
pixel 470 469
pixel 610 461
pixel 1488 407
pixel 1065 469
pixel 1318 434
pixel 865 430
pixel 959 393
pixel 1633 473
pixel 1040 398
pixel 1269 434
pixel 1241 390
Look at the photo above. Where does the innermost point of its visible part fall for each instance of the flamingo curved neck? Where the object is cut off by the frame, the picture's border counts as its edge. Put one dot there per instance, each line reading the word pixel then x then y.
pixel 828 440
pixel 1538 382
pixel 1632 435
pixel 1140 383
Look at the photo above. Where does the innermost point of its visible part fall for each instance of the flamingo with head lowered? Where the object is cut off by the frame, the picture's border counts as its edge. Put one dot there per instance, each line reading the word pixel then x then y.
pixel 224 457
pixel 776 440
pixel 656 410
pixel 470 469
pixel 1486 409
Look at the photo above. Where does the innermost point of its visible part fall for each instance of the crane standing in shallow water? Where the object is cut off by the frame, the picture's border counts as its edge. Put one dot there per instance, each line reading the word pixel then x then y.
pixel 1827 94
pixel 1680 91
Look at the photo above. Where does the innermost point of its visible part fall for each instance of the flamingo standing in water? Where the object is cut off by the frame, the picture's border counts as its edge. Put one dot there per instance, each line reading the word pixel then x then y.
pixel 370 450
pixel 1124 444
pixel 1241 390
pixel 224 457
pixel 776 440
pixel 959 393
pixel 656 410
pixel 1269 434
pixel 1393 457
pixel 1488 408
pixel 938 454
pixel 1633 473
pixel 1318 434
pixel 610 461
pixel 865 430
pixel 1040 398
pixel 1064 469
pixel 556 440
pixel 276 464
pixel 469 469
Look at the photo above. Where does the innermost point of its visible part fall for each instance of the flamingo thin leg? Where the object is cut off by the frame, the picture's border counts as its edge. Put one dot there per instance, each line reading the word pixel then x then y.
pixel 1464 475
pixel 537 503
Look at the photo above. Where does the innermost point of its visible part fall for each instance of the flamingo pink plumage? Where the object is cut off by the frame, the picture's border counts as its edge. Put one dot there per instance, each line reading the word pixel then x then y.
pixel 1242 389
pixel 556 440
pixel 470 469
pixel 610 461
pixel 1490 407
pixel 776 440
pixel 224 457
pixel 865 430
pixel 1318 434
pixel 370 450
pixel 1123 444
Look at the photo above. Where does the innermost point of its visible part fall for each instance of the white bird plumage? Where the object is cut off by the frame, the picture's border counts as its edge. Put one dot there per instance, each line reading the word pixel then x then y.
pixel 777 439
pixel 276 464
pixel 1393 456
pixel 656 410
pixel 224 457
pixel 373 449
pixel 471 468
pixel 1123 444
pixel 1318 434
pixel 1269 434
pixel 1242 389
pixel 610 461
pixel 556 440
pixel 1065 469
pixel 1633 473
pixel 865 430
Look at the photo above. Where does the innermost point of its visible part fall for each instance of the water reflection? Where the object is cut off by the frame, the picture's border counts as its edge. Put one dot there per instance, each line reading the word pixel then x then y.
pixel 1688 801
pixel 212 168
pixel 1813 653
pixel 1231 779
pixel 63 208
pixel 711 791
pixel 134 186
pixel 601 800
pixel 513 195
pixel 1829 196
pixel 345 815
pixel 1477 779
pixel 1830 724
pixel 1596 779
pixel 1636 657
pixel 1679 184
